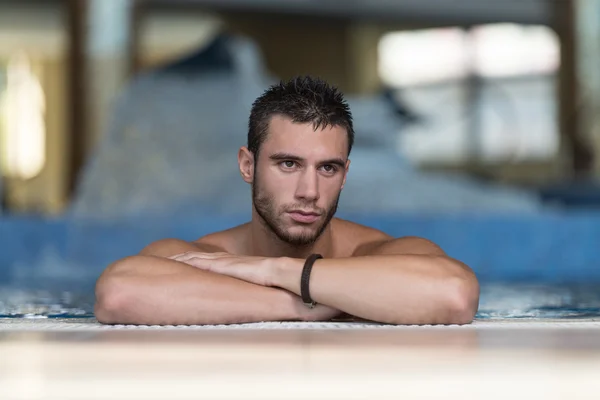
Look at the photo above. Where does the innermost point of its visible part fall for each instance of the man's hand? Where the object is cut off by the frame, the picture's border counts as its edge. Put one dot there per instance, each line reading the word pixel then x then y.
pixel 258 270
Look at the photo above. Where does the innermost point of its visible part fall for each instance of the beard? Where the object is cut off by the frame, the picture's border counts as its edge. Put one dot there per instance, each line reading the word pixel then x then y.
pixel 264 204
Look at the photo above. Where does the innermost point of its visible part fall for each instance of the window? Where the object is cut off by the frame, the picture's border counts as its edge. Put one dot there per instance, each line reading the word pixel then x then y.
pixel 485 94
pixel 22 116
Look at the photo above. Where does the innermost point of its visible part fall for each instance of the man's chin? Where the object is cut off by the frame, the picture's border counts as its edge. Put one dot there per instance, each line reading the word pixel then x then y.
pixel 300 240
pixel 302 230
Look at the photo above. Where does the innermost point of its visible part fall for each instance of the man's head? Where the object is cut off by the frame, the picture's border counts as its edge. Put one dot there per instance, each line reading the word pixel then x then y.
pixel 299 139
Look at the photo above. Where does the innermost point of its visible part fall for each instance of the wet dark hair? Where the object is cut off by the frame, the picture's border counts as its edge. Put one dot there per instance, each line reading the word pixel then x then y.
pixel 303 100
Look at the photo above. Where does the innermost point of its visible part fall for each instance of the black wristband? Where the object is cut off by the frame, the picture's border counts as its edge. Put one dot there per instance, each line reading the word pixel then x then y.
pixel 304 287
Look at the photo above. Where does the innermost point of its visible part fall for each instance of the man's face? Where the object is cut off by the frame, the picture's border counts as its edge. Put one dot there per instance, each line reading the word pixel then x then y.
pixel 298 178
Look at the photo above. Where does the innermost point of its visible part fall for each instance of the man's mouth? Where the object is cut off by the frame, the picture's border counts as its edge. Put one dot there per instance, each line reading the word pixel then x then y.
pixel 303 216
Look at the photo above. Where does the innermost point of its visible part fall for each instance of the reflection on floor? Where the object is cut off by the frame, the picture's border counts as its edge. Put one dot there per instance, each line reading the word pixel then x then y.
pixel 80 359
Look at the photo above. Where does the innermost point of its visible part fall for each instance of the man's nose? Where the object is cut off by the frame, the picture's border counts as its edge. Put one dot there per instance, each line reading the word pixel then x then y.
pixel 308 185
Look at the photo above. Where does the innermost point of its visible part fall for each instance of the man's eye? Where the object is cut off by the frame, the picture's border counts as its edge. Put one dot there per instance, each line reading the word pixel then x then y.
pixel 289 164
pixel 329 168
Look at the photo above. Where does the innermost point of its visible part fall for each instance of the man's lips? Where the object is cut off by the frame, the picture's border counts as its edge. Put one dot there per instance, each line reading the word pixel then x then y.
pixel 303 216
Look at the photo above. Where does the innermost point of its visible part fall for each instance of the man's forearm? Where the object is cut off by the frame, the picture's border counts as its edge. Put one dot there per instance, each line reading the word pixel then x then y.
pixel 152 290
pixel 400 289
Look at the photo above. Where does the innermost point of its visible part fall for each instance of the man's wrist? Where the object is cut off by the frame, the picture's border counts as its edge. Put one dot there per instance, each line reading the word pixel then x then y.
pixel 286 273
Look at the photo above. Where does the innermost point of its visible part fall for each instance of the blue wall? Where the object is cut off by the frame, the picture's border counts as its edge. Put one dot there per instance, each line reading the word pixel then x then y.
pixel 550 247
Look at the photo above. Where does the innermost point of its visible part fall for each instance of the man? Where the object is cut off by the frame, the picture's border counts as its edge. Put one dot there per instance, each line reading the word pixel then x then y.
pixel 293 260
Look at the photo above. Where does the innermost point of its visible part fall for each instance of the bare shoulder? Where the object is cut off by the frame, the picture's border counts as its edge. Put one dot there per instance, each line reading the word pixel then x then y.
pixel 350 236
pixel 367 240
pixel 228 240
pixel 168 247
pixel 212 243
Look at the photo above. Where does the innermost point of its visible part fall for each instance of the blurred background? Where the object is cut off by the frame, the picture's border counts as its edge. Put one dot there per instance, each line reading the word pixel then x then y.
pixel 477 126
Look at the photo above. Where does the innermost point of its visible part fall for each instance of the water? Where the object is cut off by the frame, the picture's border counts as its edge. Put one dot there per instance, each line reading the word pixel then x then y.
pixel 539 302
pixel 24 303
pixel 497 301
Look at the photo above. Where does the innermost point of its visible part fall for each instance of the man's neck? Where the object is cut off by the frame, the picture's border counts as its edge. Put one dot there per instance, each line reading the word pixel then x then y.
pixel 262 241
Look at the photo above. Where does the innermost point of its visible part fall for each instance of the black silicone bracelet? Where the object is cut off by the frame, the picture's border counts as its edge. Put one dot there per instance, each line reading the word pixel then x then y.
pixel 304 286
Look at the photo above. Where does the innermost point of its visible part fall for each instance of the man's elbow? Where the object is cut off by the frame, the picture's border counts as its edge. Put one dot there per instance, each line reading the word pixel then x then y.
pixel 110 302
pixel 111 294
pixel 463 300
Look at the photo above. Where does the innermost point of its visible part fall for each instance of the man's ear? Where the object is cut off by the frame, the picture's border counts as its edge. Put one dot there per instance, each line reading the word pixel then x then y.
pixel 345 173
pixel 246 163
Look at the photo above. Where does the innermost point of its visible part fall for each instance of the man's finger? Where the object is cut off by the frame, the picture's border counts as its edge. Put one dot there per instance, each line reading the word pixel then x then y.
pixel 174 257
pixel 188 255
pixel 196 262
pixel 210 256
pixel 213 255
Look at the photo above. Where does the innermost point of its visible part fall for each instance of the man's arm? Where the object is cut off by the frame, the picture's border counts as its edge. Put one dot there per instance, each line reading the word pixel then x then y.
pixel 151 289
pixel 169 247
pixel 400 281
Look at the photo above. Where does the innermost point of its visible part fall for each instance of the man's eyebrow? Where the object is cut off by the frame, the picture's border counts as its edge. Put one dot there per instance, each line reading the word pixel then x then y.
pixel 285 156
pixel 335 161
pixel 291 157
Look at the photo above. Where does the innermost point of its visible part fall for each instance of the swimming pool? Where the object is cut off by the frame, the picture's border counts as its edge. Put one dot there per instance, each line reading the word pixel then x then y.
pixel 497 301
pixel 530 266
